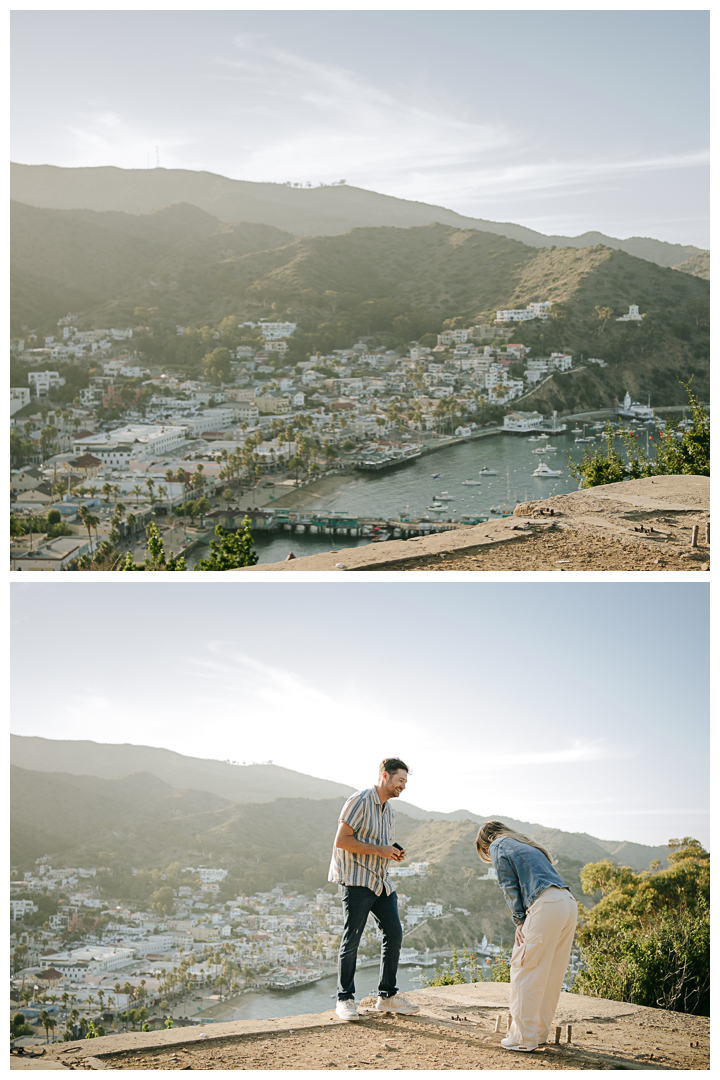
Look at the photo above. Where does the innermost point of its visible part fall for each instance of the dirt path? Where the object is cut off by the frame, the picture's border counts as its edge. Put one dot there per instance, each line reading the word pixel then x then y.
pixel 563 549
pixel 455 1029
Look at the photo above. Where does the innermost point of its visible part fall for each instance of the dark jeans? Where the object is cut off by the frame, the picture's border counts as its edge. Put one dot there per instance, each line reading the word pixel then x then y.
pixel 358 902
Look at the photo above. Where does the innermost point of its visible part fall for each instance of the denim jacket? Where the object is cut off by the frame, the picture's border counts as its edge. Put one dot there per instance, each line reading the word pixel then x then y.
pixel 523 873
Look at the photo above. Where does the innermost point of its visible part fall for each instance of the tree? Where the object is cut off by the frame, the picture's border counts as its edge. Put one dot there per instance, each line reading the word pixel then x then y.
pixel 604 314
pixel 647 940
pixel 89 521
pixel 48 1023
pixel 156 555
pixel 231 550
pixel 216 365
pixel 162 900
pixel 19 1027
pixel 687 455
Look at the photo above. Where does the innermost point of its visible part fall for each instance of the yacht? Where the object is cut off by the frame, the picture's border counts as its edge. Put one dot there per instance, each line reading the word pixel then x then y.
pixel 577 431
pixel 436 507
pixel 533 438
pixel 472 483
pixel 485 471
pixel 442 497
pixel 544 469
pixel 539 450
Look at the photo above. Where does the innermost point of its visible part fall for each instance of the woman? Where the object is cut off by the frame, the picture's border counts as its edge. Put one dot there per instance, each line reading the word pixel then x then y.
pixel 545 914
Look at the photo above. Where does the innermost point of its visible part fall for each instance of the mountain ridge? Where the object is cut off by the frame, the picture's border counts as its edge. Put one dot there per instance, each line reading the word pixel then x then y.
pixel 206 795
pixel 325 210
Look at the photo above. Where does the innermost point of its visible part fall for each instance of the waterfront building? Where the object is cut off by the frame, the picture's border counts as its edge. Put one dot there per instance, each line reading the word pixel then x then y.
pixel 522 421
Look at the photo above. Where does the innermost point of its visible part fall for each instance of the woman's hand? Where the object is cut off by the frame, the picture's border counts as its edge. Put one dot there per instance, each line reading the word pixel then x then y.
pixel 519 935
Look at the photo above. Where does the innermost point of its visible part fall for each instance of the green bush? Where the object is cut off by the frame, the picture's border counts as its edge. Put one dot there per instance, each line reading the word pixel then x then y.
pixel 501 968
pixel 647 940
pixel 665 966
pixel 687 455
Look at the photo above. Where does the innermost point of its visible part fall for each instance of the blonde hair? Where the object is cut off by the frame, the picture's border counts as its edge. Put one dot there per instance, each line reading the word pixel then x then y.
pixel 493 830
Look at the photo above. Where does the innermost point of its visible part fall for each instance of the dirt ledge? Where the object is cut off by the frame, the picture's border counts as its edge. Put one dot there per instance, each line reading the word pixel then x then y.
pixel 637 525
pixel 455 1029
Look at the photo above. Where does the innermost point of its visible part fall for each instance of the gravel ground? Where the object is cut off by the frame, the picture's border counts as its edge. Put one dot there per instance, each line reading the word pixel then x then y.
pixel 566 549
pixel 432 1041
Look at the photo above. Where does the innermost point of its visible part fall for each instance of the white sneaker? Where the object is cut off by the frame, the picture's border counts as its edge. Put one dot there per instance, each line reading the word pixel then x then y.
pixel 396 1004
pixel 346 1010
pixel 510 1045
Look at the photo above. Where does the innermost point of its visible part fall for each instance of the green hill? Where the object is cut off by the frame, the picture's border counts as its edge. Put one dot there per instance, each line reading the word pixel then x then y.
pixel 151 806
pixel 325 210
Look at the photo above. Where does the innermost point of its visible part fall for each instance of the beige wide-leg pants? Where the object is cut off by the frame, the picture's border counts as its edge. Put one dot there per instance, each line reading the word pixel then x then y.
pixel 538 966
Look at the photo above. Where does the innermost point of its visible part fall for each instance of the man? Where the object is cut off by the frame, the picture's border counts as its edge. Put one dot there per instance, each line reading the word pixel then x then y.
pixel 362 853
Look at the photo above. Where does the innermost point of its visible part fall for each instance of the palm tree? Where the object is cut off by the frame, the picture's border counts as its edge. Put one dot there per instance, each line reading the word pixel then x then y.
pixel 89 521
pixel 48 1023
pixel 137 492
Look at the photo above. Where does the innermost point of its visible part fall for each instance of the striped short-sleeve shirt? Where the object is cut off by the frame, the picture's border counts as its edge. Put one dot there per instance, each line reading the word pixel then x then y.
pixel 372 822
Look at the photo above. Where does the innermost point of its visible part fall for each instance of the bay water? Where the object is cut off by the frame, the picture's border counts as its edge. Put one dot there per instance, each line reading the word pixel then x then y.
pixel 410 489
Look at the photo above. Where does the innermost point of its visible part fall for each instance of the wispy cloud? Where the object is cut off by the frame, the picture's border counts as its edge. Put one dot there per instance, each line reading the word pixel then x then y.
pixel 412 141
pixel 104 137
pixel 574 753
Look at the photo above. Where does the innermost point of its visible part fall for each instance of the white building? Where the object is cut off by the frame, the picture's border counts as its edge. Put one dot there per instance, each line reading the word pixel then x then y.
pixel 522 421
pixel 273 331
pixel 514 315
pixel 41 382
pixel 133 442
pixel 19 398
pixel 633 315
pixel 18 908
pixel 532 311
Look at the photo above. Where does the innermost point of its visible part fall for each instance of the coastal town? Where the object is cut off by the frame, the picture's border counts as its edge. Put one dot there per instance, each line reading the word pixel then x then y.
pixel 105 439
pixel 84 961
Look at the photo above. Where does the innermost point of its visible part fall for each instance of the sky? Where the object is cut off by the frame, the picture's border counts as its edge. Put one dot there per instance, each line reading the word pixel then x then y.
pixel 577 706
pixel 563 121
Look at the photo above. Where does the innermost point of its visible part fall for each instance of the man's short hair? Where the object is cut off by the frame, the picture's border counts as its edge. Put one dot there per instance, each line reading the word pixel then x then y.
pixel 392 765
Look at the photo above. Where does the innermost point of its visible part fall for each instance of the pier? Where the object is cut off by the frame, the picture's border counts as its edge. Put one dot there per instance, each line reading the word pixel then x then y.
pixel 336 523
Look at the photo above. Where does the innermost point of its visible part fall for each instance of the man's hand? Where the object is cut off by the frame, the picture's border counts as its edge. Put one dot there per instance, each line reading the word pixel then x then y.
pixel 346 839
pixel 390 853
pixel 519 935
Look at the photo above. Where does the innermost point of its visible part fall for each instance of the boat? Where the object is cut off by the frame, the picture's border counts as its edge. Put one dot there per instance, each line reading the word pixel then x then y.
pixel 576 431
pixel 434 476
pixel 544 469
pixel 472 483
pixel 485 471
pixel 588 439
pixel 378 461
pixel 543 436
pixel 533 438
pixel 550 449
pixel 436 507
pixel 539 450
pixel 442 498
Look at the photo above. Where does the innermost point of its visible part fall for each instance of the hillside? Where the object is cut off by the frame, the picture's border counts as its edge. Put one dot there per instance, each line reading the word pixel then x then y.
pixel 190 268
pixel 79 260
pixel 83 798
pixel 235 783
pixel 303 211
